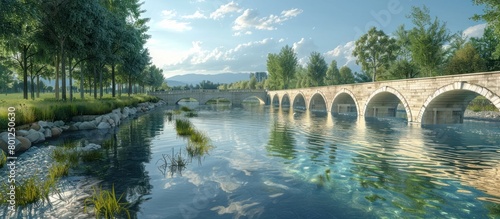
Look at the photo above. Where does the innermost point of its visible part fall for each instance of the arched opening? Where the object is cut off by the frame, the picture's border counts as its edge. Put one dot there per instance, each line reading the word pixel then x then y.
pixel 317 103
pixel 285 101
pixel 276 100
pixel 187 101
pixel 269 99
pixel 299 102
pixel 253 100
pixel 218 101
pixel 387 102
pixel 448 104
pixel 344 104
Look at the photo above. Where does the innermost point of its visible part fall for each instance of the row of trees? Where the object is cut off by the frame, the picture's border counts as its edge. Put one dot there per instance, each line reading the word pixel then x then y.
pixel 427 49
pixel 96 42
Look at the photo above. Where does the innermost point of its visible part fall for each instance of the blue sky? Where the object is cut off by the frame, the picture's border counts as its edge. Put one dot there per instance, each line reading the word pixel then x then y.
pixel 215 36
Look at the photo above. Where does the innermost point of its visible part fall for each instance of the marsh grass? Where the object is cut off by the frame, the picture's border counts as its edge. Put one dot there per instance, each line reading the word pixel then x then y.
pixel 183 127
pixel 50 109
pixel 90 156
pixel 198 145
pixel 106 203
pixel 185 109
pixel 191 114
pixel 58 170
pixel 3 158
pixel 28 191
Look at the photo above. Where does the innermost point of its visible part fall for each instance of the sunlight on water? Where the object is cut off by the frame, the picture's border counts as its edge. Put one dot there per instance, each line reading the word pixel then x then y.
pixel 270 162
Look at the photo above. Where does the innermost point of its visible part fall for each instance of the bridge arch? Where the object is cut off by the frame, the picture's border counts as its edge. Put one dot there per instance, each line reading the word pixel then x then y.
pixel 318 101
pixel 275 100
pixel 299 101
pixel 448 103
pixel 345 102
pixel 384 102
pixel 285 100
pixel 188 98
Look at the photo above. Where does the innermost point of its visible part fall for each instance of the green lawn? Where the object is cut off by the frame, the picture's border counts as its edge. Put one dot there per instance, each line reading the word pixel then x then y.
pixel 49 109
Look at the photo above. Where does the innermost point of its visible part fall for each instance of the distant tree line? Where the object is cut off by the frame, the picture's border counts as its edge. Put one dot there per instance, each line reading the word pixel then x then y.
pixel 99 44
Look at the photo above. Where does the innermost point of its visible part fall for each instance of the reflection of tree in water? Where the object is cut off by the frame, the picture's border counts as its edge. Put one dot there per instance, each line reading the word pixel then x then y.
pixel 281 141
pixel 125 155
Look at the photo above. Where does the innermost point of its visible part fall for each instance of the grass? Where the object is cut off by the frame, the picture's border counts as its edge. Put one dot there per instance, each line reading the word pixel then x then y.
pixel 183 127
pixel 185 109
pixel 49 109
pixel 90 156
pixel 28 191
pixel 198 145
pixel 3 158
pixel 58 170
pixel 106 203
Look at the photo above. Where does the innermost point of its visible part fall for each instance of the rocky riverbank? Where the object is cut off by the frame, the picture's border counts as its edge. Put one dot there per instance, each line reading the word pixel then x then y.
pixel 37 132
pixel 482 115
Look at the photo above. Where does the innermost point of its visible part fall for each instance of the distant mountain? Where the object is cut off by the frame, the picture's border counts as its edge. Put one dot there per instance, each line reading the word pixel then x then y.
pixel 223 78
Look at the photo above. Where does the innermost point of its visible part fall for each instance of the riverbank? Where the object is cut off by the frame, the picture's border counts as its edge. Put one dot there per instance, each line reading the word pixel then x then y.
pixel 492 116
pixel 37 132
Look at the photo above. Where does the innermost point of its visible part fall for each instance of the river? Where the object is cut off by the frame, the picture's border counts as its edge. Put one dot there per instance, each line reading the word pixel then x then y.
pixel 269 162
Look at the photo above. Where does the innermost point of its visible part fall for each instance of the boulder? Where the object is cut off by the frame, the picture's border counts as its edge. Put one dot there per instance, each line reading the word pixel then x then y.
pixel 43 123
pixel 64 127
pixel 58 123
pixel 35 126
pixel 86 125
pixel 50 124
pixel 24 144
pixel 48 133
pixel 98 119
pixel 105 118
pixel 73 127
pixel 77 124
pixel 103 125
pixel 4 136
pixel 111 122
pixel 22 133
pixel 89 147
pixel 33 136
pixel 115 118
pixel 56 131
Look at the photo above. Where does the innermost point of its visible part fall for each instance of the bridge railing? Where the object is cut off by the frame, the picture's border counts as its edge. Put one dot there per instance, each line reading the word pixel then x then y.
pixel 205 91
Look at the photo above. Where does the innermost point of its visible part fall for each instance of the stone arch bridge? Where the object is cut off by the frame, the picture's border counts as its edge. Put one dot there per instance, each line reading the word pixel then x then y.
pixel 435 100
pixel 203 96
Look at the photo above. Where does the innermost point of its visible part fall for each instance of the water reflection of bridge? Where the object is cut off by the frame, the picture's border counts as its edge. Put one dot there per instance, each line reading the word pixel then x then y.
pixel 236 97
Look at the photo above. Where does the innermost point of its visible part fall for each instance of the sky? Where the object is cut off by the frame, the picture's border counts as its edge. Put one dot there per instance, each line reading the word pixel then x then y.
pixel 218 36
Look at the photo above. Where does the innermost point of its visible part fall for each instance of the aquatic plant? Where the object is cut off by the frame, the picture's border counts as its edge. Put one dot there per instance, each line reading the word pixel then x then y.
pixel 183 127
pixel 191 114
pixel 185 109
pixel 58 170
pixel 27 191
pixel 198 145
pixel 92 155
pixel 3 158
pixel 70 144
pixel 106 203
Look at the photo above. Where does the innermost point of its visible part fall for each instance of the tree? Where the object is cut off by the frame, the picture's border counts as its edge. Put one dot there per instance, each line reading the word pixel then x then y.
pixel 332 74
pixel 492 16
pixel 466 60
pixel 346 76
pixel 316 69
pixel 362 77
pixel 253 82
pixel 281 68
pixel 427 39
pixel 375 51
pixel 401 69
pixel 6 78
pixel 486 46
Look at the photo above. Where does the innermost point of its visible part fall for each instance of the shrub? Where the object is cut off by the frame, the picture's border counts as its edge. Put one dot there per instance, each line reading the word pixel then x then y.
pixel 106 204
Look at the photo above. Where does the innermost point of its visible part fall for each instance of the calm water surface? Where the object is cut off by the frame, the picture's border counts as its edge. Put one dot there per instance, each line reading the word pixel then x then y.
pixel 278 163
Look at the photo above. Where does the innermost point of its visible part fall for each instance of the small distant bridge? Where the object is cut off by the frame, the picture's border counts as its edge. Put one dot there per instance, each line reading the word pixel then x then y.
pixel 236 97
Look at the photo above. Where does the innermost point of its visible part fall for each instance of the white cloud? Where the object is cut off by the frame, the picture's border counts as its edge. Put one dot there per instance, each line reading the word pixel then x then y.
pixel 245 57
pixel 303 48
pixel 474 31
pixel 250 20
pixel 196 15
pixel 343 55
pixel 169 22
pixel 221 12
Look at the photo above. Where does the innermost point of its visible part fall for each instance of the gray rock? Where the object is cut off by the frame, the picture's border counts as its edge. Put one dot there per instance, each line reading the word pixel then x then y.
pixel 33 136
pixel 24 144
pixel 115 118
pixel 56 131
pixel 77 124
pixel 103 125
pixel 43 123
pixel 50 124
pixel 73 127
pixel 86 125
pixel 98 119
pixel 59 123
pixel 64 127
pixel 35 126
pixel 48 133
pixel 22 133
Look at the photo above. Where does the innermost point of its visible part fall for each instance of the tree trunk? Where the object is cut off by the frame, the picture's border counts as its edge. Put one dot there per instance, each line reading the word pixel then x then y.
pixel 113 83
pixel 129 85
pixel 32 83
pixel 70 78
pixel 82 91
pixel 38 86
pixel 56 89
pixel 63 71
pixel 100 82
pixel 95 82
pixel 24 65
